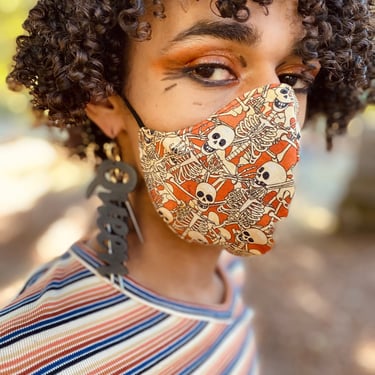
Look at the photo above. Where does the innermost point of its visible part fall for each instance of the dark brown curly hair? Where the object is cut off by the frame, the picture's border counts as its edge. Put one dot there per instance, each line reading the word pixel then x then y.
pixel 73 54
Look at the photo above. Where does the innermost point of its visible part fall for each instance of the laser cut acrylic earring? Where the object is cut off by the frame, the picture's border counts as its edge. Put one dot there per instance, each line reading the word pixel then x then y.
pixel 117 179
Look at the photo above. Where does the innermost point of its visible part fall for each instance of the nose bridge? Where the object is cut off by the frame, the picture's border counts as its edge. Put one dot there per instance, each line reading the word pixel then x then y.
pixel 259 76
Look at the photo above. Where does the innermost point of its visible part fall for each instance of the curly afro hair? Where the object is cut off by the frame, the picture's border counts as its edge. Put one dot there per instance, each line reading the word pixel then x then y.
pixel 73 54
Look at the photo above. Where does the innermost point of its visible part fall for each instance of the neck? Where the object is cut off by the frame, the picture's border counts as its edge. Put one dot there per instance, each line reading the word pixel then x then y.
pixel 174 268
pixel 168 265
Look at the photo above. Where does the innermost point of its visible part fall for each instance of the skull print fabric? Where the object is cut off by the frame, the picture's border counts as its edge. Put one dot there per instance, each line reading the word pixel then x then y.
pixel 227 180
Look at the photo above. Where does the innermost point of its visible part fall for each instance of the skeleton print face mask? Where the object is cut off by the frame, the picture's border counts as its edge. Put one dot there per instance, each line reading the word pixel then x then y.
pixel 228 179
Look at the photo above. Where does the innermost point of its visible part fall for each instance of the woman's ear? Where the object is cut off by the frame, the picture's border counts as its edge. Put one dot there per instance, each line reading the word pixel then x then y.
pixel 109 115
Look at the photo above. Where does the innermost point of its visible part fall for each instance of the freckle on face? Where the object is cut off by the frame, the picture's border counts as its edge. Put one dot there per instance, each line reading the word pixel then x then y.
pixel 170 87
pixel 243 61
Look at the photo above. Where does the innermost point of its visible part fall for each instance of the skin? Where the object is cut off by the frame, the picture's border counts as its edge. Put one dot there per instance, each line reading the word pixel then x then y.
pixel 176 80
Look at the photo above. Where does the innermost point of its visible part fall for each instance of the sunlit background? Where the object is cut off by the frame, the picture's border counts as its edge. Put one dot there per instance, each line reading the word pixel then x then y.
pixel 313 295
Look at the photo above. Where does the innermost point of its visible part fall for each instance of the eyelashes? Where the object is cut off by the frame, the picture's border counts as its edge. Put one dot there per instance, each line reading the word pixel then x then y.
pixel 211 74
pixel 301 83
pixel 207 74
pixel 216 74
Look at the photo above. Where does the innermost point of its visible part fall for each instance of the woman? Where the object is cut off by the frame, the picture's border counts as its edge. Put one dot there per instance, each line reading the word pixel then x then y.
pixel 193 109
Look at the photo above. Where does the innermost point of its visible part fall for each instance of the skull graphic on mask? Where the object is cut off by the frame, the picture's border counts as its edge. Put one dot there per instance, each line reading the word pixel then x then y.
pixel 270 174
pixel 206 195
pixel 218 139
pixel 283 98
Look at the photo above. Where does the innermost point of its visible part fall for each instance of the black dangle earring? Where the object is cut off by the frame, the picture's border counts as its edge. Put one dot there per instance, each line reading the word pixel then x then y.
pixel 118 180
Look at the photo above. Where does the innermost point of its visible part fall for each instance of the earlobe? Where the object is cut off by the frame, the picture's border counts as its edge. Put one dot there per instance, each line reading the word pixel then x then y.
pixel 109 115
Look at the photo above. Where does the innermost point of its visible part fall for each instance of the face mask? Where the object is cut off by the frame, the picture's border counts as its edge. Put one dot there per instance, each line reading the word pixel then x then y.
pixel 227 180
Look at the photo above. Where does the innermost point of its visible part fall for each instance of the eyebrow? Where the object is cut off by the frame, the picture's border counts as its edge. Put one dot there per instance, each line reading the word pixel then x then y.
pixel 236 32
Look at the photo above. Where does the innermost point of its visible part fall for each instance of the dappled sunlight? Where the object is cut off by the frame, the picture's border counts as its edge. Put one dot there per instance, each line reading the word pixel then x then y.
pixel 365 355
pixel 23 195
pixel 24 179
pixel 62 233
pixel 42 206
pixel 309 260
pixel 310 301
pixel 355 128
pixel 26 155
pixel 68 174
pixel 16 103
pixel 310 217
pixel 31 167
pixel 369 116
pixel 9 292
pixel 321 219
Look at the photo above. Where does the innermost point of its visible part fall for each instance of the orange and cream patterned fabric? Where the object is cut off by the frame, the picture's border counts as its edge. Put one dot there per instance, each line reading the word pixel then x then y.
pixel 228 179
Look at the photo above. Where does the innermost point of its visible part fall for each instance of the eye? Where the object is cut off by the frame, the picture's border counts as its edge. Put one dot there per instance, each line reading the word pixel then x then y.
pixel 216 136
pixel 211 74
pixel 299 82
pixel 266 175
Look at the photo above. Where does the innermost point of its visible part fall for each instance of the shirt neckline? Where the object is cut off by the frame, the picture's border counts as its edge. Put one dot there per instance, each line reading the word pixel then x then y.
pixel 131 288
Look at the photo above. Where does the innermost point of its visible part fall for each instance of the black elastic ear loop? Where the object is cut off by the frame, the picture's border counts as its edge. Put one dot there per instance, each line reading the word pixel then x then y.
pixel 134 113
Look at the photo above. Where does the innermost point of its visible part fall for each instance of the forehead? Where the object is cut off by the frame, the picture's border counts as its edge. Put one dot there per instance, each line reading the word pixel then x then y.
pixel 279 25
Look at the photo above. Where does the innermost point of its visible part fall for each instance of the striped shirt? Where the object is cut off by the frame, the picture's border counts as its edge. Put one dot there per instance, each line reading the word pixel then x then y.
pixel 68 319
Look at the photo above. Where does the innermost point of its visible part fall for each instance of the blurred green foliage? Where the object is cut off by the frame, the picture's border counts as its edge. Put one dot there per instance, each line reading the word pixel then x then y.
pixel 12 15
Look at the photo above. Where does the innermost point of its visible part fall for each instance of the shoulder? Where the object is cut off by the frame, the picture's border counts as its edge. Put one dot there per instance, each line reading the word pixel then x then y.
pixel 41 291
pixel 53 299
